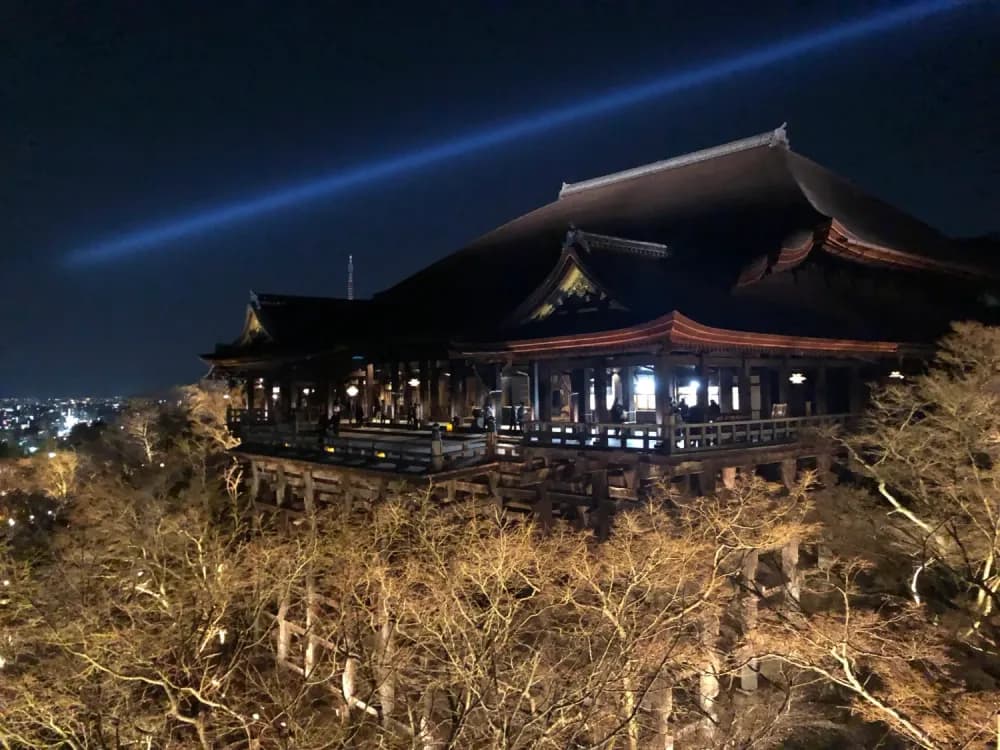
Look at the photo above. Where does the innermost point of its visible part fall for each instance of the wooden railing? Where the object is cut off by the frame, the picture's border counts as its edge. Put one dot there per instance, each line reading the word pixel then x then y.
pixel 424 451
pixel 235 416
pixel 645 437
pixel 686 438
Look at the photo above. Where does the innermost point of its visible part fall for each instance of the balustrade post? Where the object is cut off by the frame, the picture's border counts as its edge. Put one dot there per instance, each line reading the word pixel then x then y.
pixel 437 449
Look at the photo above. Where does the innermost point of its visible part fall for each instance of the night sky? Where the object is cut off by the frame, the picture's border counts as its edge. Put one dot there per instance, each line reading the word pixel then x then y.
pixel 118 116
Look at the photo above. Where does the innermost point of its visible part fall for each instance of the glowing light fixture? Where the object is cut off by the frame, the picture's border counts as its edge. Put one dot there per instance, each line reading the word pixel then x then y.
pixel 796 378
pixel 896 375
pixel 413 382
pixel 352 390
pixel 694 385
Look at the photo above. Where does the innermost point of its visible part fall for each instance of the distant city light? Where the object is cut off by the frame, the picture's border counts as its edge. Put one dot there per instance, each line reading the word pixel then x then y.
pixel 796 378
pixel 51 454
pixel 896 375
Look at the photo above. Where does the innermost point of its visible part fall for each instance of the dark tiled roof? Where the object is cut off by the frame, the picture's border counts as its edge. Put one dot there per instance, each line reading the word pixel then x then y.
pixel 718 210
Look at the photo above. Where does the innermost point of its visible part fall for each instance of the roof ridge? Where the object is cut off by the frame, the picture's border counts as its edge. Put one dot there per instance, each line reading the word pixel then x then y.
pixel 773 138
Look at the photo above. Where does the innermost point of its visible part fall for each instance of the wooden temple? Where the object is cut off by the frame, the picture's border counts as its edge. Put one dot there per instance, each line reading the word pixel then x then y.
pixel 679 322
pixel 702 311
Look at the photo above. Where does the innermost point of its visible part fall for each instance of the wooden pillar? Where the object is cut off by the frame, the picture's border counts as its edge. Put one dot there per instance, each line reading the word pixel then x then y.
pixel 746 394
pixel 664 709
pixel 766 394
pixel 309 497
pixel 435 394
pixel 855 395
pixel 456 398
pixel 254 481
pixel 284 632
pixel 602 504
pixel 707 479
pixel 280 486
pixel 284 409
pixel 788 469
pixel 536 390
pixel 312 613
pixel 708 682
pixel 729 477
pixel 600 392
pixel 437 450
pixel 820 401
pixel 783 384
pixel 543 507
pixel 824 469
pixel 790 570
pixel 703 378
pixel 749 669
pixel 393 400
pixel 578 384
pixel 267 403
pixel 369 394
pixel 627 376
pixel 250 392
pixel 663 372
pixel 726 390
pixel 544 413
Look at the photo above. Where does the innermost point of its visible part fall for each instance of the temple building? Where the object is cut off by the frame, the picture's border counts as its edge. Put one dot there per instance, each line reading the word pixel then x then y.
pixel 682 322
pixel 713 304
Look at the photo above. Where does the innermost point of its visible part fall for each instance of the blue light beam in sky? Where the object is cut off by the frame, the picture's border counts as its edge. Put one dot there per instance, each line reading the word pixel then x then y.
pixel 663 85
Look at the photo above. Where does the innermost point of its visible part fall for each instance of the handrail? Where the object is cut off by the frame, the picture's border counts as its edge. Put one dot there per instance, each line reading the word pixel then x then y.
pixel 685 437
pixel 419 451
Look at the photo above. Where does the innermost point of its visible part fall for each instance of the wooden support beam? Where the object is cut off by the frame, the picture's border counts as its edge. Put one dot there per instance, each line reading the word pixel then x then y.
pixel 254 481
pixel 790 570
pixel 707 479
pixel 603 505
pixel 856 392
pixel 543 507
pixel 820 401
pixel 580 386
pixel 627 376
pixel 788 469
pixel 750 668
pixel 703 378
pixel 663 372
pixel 746 394
pixel 600 392
pixel 726 390
pixel 729 477
pixel 544 412
pixel 824 469
pixel 708 681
